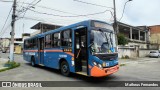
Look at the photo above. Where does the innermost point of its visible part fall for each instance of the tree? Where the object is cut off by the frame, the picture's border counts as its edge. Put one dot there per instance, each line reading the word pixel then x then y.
pixel 122 40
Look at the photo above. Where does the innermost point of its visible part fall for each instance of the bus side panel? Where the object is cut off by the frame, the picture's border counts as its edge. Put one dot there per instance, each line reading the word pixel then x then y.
pixel 52 60
pixel 25 55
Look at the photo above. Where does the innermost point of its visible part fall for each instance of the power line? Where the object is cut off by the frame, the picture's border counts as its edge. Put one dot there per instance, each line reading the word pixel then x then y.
pixel 92 4
pixel 124 9
pixel 44 7
pixel 35 19
pixel 5 1
pixel 30 6
pixel 69 16
pixel 6 29
pixel 6 20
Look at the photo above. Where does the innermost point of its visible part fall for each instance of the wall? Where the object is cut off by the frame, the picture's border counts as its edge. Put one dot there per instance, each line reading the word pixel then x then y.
pixel 155 34
pixel 132 52
pixel 127 50
pixel 144 53
pixel 155 38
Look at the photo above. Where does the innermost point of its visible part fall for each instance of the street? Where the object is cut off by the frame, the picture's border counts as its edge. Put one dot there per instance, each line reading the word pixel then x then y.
pixel 142 70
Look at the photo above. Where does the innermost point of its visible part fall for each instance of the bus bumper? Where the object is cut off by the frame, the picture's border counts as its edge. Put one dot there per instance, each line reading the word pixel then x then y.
pixel 97 72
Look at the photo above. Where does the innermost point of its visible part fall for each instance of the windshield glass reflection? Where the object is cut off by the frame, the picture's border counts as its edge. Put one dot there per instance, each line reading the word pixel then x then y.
pixel 102 41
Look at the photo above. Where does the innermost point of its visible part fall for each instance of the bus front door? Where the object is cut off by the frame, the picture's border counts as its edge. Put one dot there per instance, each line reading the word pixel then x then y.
pixel 41 50
pixel 80 51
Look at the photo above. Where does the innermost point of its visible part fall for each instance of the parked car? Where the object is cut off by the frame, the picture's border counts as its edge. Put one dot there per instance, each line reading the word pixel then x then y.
pixel 154 54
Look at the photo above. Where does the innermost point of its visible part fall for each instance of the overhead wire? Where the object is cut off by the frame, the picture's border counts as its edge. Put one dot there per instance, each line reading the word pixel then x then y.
pixel 92 4
pixel 6 20
pixel 68 16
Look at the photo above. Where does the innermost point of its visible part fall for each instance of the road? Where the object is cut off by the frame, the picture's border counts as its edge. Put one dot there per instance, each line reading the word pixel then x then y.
pixel 141 70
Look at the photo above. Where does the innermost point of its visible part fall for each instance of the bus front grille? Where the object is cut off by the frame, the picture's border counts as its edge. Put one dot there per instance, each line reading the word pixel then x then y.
pixel 105 57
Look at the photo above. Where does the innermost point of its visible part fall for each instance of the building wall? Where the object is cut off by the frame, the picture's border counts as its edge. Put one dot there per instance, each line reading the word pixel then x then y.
pixel 154 29
pixel 155 34
pixel 132 52
pixel 144 53
pixel 141 45
pixel 155 38
pixel 127 50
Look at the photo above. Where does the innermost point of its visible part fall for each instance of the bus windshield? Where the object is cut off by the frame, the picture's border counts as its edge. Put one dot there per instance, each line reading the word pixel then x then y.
pixel 102 41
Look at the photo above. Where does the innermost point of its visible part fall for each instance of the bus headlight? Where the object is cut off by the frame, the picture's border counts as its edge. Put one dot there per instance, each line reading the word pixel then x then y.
pixel 95 63
pixel 100 66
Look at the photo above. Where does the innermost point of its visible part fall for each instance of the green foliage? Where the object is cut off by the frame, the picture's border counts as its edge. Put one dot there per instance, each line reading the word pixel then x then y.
pixel 122 64
pixel 125 57
pixel 122 40
pixel 10 65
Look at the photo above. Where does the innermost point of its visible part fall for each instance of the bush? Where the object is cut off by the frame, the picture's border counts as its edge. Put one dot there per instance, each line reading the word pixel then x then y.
pixel 10 65
pixel 122 40
pixel 125 57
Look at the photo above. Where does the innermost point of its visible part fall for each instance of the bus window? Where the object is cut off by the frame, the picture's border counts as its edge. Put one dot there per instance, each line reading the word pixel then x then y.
pixel 34 41
pixel 66 39
pixel 48 41
pixel 56 39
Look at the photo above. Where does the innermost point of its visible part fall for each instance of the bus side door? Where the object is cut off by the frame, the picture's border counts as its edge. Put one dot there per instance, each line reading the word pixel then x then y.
pixel 41 50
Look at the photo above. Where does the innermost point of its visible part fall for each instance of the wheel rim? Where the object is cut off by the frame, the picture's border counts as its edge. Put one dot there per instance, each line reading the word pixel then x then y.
pixel 64 68
pixel 32 63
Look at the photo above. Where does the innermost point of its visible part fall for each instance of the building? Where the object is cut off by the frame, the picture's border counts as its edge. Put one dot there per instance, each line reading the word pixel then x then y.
pixel 140 38
pixel 137 36
pixel 43 27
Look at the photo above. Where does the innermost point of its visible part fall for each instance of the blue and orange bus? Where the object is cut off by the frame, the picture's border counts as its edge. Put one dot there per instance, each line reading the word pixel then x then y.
pixel 86 48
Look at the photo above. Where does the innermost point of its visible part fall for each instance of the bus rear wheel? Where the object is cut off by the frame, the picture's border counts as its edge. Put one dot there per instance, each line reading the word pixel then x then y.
pixel 33 62
pixel 65 68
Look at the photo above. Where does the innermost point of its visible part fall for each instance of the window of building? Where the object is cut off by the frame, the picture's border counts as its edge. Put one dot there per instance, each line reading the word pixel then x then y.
pixel 66 38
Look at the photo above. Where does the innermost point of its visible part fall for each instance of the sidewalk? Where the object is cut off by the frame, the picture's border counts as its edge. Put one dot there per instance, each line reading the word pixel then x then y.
pixel 2 62
pixel 136 60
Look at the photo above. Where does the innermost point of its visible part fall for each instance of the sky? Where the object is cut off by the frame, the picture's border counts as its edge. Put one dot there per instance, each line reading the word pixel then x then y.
pixel 136 13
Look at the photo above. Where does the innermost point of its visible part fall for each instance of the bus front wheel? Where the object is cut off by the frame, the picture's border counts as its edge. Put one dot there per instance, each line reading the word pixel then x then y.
pixel 65 68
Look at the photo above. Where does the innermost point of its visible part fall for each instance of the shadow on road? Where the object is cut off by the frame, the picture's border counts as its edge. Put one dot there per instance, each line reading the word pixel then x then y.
pixel 77 76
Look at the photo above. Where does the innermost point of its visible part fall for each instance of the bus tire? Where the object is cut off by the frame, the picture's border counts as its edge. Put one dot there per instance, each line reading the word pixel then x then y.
pixel 65 68
pixel 33 62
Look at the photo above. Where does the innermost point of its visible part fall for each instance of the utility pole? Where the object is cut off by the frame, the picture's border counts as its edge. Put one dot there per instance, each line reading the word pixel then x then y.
pixel 12 32
pixel 115 25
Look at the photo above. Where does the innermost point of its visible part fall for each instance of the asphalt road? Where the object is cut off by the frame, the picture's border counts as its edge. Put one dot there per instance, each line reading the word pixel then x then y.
pixel 142 70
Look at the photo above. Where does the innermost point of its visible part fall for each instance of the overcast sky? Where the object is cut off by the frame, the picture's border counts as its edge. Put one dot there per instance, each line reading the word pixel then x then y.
pixel 137 13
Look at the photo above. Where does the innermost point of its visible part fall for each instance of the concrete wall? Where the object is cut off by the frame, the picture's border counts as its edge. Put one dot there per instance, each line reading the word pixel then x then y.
pixel 144 53
pixel 127 50
pixel 155 38
pixel 132 52
pixel 155 34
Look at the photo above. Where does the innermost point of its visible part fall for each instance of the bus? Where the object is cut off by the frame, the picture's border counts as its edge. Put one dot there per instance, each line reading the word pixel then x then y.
pixel 86 48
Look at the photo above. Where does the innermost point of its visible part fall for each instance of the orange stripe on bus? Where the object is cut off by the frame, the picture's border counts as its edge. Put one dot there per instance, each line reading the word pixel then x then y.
pixel 53 50
pixel 70 53
pixel 30 50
